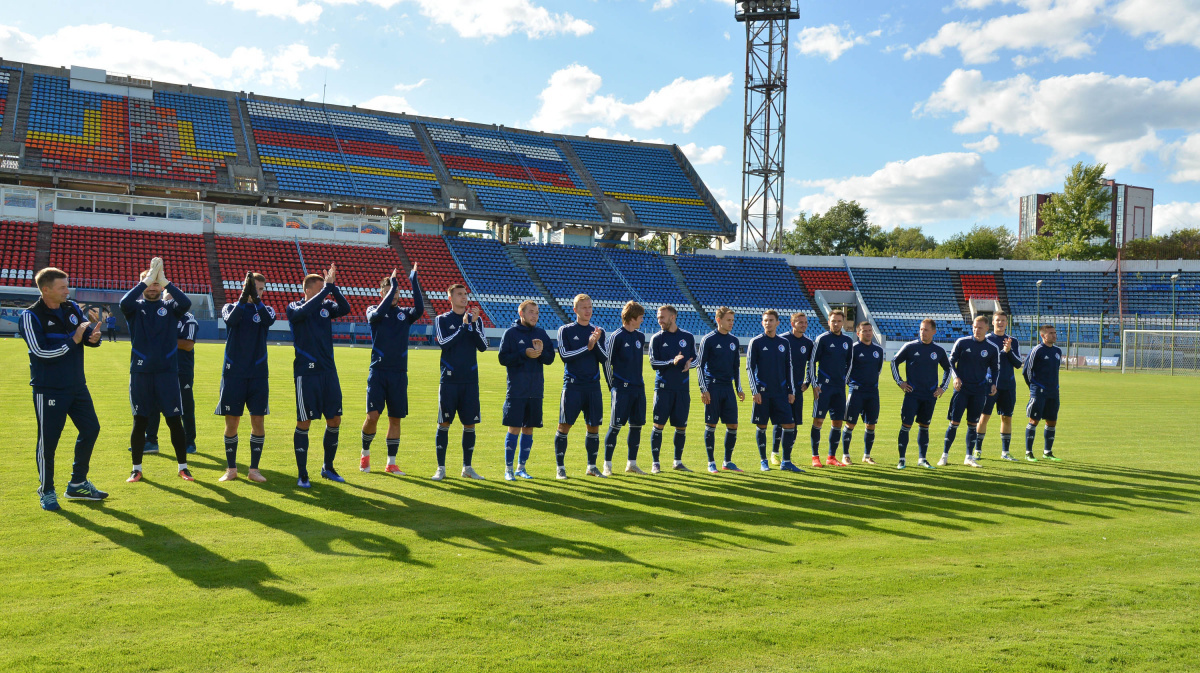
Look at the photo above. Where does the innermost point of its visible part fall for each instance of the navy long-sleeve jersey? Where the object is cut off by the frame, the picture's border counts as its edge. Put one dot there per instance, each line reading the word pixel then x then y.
pixel 390 325
pixel 187 332
pixel 1041 368
pixel 580 365
pixel 246 329
pixel 55 360
pixel 461 343
pixel 312 330
pixel 802 348
pixel 154 329
pixel 1009 361
pixel 769 366
pixel 976 364
pixel 921 362
pixel 719 361
pixel 866 361
pixel 623 352
pixel 525 375
pixel 664 347
pixel 830 361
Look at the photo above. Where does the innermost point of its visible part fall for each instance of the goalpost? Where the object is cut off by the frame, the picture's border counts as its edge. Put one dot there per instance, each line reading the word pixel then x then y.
pixel 1160 350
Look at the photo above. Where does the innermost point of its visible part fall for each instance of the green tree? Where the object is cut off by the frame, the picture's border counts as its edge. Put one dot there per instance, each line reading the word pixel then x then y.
pixel 980 243
pixel 844 229
pixel 1072 219
pixel 903 242
pixel 1179 244
pixel 690 243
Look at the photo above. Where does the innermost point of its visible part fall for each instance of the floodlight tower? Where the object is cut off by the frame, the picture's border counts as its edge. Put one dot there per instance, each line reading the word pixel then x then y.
pixel 765 119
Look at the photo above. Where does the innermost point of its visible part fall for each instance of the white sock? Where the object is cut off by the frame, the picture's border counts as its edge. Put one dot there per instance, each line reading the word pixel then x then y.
pixel 366 453
pixel 183 466
pixel 678 463
pixel 391 460
pixel 608 464
pixel 137 468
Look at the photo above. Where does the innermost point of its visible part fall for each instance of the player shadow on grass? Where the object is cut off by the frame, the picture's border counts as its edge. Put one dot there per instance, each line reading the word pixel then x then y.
pixel 317 535
pixel 188 560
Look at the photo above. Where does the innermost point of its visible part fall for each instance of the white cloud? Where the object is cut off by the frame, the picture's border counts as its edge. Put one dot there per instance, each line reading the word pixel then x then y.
pixel 828 41
pixel 1175 215
pixel 570 98
pixel 988 144
pixel 388 103
pixel 302 12
pixel 410 87
pixel 1167 22
pixel 134 52
pixel 1187 159
pixel 1058 28
pixel 948 186
pixel 1115 119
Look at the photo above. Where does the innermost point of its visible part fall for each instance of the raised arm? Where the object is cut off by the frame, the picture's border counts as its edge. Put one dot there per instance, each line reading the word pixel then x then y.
pixel 418 307
pixel 302 312
pixel 180 302
pixel 342 307
pixel 129 301
pixel 376 313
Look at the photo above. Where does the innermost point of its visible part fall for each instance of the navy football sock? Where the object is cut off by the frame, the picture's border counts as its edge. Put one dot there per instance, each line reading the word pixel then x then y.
pixel 560 448
pixel 979 442
pixel 868 441
pixel 923 442
pixel 526 442
pixel 441 440
pixel 300 446
pixel 814 434
pixel 231 452
pixel 972 435
pixel 393 446
pixel 1030 434
pixel 1005 441
pixel 789 441
pixel 951 432
pixel 1048 435
pixel 510 449
pixel 902 441
pixel 330 443
pixel 730 442
pixel 366 442
pixel 761 437
pixel 655 443
pixel 468 442
pixel 634 442
pixel 680 441
pixel 256 448
pixel 835 438
pixel 776 438
pixel 610 442
pixel 710 443
pixel 847 437
pixel 591 444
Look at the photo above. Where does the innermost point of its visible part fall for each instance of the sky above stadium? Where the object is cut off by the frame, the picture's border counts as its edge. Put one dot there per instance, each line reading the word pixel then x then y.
pixel 939 114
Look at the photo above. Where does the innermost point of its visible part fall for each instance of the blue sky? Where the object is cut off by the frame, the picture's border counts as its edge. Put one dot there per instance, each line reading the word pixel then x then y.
pixel 935 114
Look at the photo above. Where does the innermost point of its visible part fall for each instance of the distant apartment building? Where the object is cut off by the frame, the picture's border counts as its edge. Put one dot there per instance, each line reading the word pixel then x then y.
pixel 1130 213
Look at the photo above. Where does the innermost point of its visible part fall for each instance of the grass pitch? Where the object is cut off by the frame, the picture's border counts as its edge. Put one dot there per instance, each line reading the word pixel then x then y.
pixel 1086 565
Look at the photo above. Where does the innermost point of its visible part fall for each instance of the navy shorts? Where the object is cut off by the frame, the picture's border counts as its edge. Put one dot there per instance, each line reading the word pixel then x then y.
pixel 461 399
pixel 523 412
pixel 390 389
pixel 628 405
pixel 798 409
pixel 918 408
pixel 832 401
pixel 970 403
pixel 239 395
pixel 1042 406
pixel 775 410
pixel 318 394
pixel 153 394
pixel 722 406
pixel 1004 401
pixel 864 402
pixel 672 407
pixel 586 399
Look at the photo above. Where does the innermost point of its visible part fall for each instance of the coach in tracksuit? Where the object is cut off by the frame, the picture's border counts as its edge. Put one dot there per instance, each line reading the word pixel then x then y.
pixel 244 376
pixel 827 370
pixel 672 357
pixel 976 365
pixel 525 350
pixel 866 361
pixel 578 346
pixel 623 372
pixel 55 330
pixel 801 352
pixel 186 340
pixel 318 390
pixel 387 377
pixel 153 309
pixel 769 371
pixel 460 334
pixel 719 362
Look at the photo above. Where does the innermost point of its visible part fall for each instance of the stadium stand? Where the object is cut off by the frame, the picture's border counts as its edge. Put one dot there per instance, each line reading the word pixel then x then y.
pixel 277 260
pixel 314 151
pixel 748 285
pixel 900 298
pixel 514 173
pixel 175 137
pixel 568 270
pixel 1149 294
pixel 359 270
pixel 654 286
pixel 1064 295
pixel 111 259
pixel 650 181
pixel 979 286
pixel 499 286
pixel 4 77
pixel 823 278
pixel 18 243
pixel 438 271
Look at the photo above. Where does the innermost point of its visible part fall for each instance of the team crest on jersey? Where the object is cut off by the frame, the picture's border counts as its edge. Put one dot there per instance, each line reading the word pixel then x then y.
pixel 324 313
pixel 683 343
pixel 983 352
pixel 876 354
pixel 638 344
pixel 803 350
pixel 933 356
pixel 781 348
pixel 845 346
pixel 162 311
pixel 1057 356
pixel 73 319
pixel 256 318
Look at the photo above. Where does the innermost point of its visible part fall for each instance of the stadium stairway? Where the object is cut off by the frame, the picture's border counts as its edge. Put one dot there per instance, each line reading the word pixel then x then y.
pixel 521 261
pixel 810 293
pixel 961 297
pixel 693 177
pixel 435 159
pixel 1001 291
pixel 669 262
pixel 568 153
pixel 45 234
pixel 214 269
pixel 406 264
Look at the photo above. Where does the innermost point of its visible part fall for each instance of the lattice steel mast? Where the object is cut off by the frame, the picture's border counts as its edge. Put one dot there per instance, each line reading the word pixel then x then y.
pixel 765 119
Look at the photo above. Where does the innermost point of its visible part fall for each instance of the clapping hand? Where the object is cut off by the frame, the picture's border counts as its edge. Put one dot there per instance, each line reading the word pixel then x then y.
pixel 597 333
pixel 331 274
